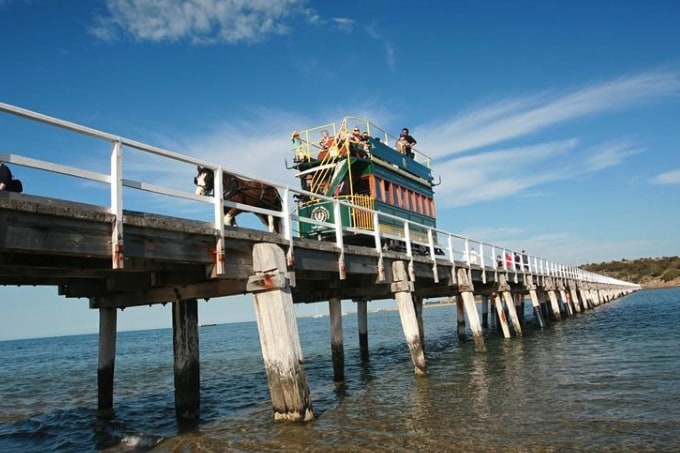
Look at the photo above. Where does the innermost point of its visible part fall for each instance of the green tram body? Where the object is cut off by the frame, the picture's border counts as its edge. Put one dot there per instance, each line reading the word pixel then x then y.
pixel 382 179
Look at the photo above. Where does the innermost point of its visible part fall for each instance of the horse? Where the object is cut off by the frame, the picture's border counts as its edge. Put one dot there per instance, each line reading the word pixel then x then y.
pixel 244 191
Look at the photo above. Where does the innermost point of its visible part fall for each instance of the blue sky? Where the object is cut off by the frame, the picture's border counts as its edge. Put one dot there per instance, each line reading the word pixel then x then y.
pixel 553 125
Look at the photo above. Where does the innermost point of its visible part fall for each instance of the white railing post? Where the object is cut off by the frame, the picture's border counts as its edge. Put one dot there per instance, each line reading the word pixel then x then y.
pixel 430 240
pixel 409 250
pixel 454 277
pixel 117 246
pixel 287 223
pixel 337 221
pixel 378 246
pixel 218 211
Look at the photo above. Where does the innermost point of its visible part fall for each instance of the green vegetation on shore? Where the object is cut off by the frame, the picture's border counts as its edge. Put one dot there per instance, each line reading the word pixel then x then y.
pixel 648 272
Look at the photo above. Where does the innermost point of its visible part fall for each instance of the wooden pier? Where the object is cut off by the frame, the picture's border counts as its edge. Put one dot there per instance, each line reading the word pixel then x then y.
pixel 172 260
pixel 117 258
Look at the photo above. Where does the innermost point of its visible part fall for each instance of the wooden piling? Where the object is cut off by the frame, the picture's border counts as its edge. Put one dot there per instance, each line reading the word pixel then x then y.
pixel 485 311
pixel 402 288
pixel 362 320
pixel 460 318
pixel 418 307
pixel 186 355
pixel 277 326
pixel 538 312
pixel 512 312
pixel 106 364
pixel 501 315
pixel 566 302
pixel 465 288
pixel 574 297
pixel 337 348
pixel 556 315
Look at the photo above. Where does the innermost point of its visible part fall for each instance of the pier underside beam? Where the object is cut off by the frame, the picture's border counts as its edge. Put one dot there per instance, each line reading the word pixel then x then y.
pixel 279 337
pixel 187 364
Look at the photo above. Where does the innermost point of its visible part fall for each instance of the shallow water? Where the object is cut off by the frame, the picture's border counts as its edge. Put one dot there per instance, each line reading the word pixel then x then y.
pixel 604 380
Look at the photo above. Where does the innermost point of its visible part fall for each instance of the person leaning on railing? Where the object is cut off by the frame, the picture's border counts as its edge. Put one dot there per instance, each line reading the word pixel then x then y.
pixel 5 177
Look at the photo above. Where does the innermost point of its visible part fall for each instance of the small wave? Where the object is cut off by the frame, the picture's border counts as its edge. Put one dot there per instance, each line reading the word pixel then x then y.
pixel 140 441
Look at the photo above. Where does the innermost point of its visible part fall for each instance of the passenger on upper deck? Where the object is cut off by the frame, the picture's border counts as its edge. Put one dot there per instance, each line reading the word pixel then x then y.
pixel 297 147
pixel 326 141
pixel 357 142
pixel 405 142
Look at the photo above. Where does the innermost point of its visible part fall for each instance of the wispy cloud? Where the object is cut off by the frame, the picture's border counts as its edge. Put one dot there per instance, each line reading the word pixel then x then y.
pixel 390 58
pixel 197 21
pixel 513 118
pixel 669 177
pixel 500 173
pixel 610 155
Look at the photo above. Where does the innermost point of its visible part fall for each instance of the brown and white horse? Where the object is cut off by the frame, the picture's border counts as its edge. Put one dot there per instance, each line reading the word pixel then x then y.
pixel 243 191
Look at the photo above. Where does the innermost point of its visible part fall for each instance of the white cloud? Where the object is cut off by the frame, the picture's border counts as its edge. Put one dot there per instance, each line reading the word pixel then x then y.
pixel 197 21
pixel 609 155
pixel 497 174
pixel 669 177
pixel 390 58
pixel 514 118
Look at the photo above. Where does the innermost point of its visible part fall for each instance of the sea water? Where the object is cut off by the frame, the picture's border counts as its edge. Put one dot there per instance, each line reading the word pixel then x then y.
pixel 606 379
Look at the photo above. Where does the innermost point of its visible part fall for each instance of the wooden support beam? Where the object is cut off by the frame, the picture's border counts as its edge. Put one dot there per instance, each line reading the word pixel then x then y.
pixel 574 297
pixel 460 318
pixel 337 348
pixel 362 320
pixel 279 338
pixel 402 288
pixel 465 288
pixel 485 312
pixel 186 354
pixel 512 312
pixel 566 302
pixel 537 307
pixel 501 315
pixel 107 357
pixel 556 315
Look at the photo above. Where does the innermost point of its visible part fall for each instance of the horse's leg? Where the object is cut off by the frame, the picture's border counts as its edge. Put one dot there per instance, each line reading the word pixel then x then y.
pixel 230 217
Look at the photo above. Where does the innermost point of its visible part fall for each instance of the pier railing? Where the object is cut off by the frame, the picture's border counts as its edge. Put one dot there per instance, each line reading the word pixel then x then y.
pixel 124 153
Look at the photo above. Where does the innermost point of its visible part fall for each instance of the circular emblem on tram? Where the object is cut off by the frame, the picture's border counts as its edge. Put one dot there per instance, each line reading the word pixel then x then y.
pixel 320 214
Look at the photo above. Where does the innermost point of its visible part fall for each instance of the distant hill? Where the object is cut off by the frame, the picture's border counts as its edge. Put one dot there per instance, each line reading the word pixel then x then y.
pixel 648 272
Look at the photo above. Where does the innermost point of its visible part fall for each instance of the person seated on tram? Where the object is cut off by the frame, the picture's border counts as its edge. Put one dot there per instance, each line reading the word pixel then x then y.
pixel 358 146
pixel 405 142
pixel 326 140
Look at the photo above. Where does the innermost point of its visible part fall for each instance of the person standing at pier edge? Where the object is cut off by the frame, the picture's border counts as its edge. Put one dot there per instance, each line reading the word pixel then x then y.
pixel 5 177
pixel 525 260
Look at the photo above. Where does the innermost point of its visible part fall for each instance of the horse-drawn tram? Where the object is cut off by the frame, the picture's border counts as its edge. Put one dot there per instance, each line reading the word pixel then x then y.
pixel 354 161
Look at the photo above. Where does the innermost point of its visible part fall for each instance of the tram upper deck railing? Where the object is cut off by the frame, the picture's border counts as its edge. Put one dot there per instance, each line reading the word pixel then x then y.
pixel 457 249
pixel 311 137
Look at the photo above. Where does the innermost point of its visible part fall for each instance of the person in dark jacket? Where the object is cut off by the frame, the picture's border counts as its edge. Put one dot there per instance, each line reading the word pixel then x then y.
pixel 5 177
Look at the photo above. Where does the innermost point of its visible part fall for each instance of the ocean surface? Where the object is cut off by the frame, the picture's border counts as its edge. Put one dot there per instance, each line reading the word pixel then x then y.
pixel 607 379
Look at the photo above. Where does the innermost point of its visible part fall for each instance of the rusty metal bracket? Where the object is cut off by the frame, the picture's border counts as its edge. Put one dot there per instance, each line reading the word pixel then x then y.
pixel 267 281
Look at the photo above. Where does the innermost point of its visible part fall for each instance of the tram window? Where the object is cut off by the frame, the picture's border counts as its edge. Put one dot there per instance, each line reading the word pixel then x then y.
pixel 362 186
pixel 398 197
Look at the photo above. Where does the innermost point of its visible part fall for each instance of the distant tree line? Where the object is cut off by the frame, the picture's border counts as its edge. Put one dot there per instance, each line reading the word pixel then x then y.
pixel 644 271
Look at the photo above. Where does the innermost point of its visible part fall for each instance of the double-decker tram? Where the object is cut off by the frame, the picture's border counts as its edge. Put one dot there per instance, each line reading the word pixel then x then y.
pixel 359 162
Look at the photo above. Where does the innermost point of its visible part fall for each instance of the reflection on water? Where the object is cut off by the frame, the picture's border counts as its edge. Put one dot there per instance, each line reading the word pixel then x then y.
pixel 595 382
